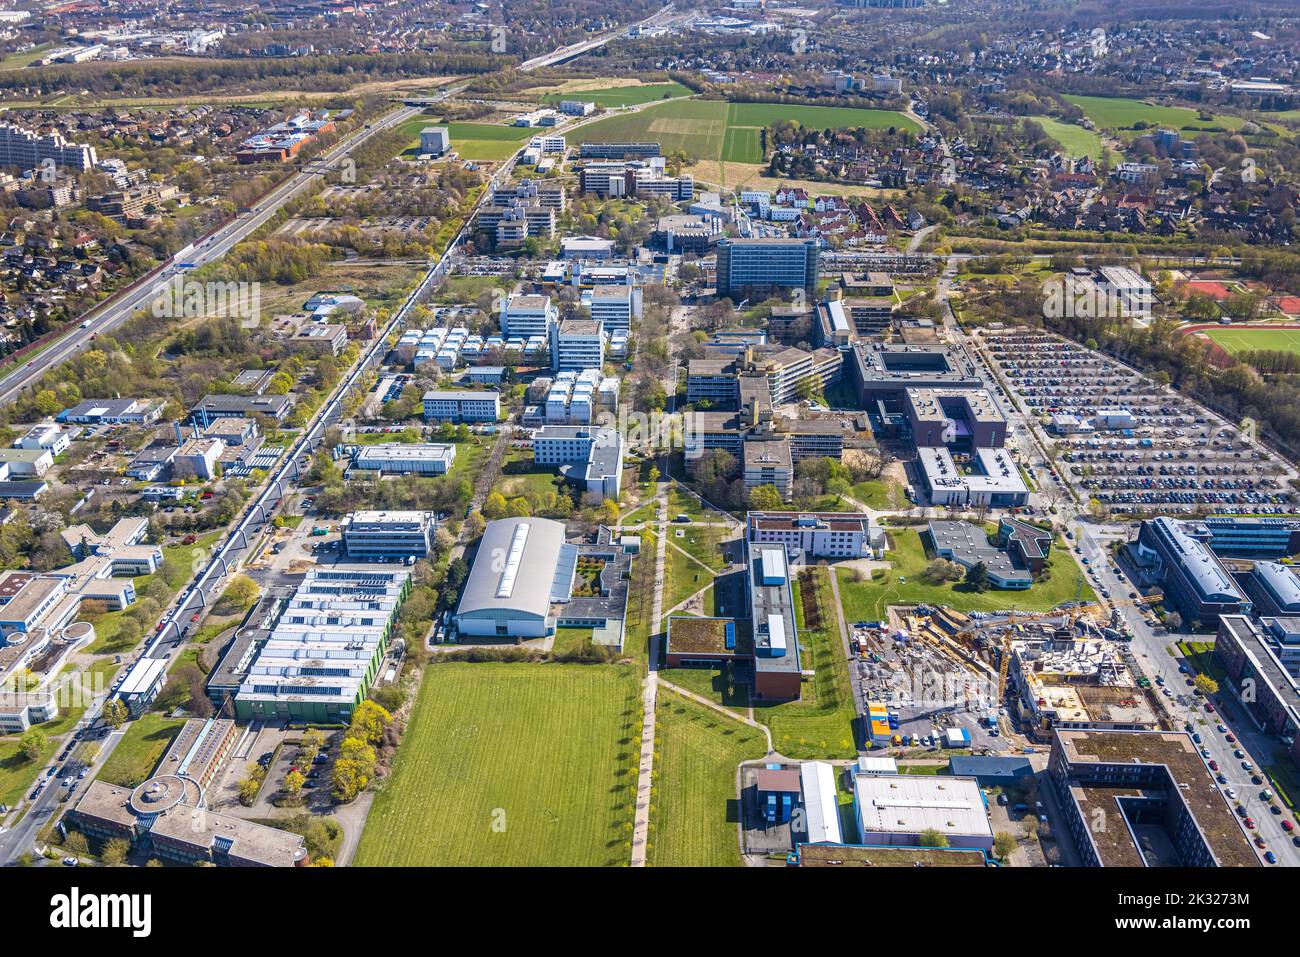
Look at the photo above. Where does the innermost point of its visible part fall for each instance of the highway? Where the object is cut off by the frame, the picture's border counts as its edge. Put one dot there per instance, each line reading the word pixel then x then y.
pixel 114 311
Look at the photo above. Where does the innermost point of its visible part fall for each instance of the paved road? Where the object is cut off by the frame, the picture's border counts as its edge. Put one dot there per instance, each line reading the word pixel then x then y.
pixel 14 842
pixel 1150 649
pixel 114 311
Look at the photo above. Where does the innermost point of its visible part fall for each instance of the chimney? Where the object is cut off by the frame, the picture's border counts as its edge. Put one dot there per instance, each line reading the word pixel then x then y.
pixel 180 436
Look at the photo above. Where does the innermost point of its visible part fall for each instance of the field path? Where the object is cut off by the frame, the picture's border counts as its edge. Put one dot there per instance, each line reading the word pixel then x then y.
pixel 650 694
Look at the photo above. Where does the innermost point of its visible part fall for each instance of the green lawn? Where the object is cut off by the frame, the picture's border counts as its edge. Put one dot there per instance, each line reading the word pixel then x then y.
pixel 820 724
pixel 1121 113
pixel 469 288
pixel 1246 340
pixel 1074 140
pixel 571 640
pixel 704 544
pixel 874 494
pixel 684 577
pixel 16 772
pixel 512 765
pixel 472 141
pixel 694 809
pixel 866 601
pixel 137 754
pixel 622 95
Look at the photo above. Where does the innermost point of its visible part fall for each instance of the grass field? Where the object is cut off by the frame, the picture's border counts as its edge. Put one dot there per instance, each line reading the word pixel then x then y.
pixel 1074 140
pixel 696 126
pixel 903 585
pixel 1247 340
pixel 512 765
pixel 694 810
pixel 622 95
pixel 1121 113
pixel 138 752
pixel 714 130
pixel 472 141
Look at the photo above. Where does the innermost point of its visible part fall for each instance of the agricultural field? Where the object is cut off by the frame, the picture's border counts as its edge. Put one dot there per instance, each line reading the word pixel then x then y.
pixel 617 96
pixel 1074 140
pixel 512 765
pixel 904 585
pixel 1122 113
pixel 694 812
pixel 713 130
pixel 1247 340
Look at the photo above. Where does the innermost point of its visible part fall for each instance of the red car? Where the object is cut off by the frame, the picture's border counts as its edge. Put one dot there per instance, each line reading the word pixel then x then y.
pixel 1214 765
pixel 1230 738
pixel 1250 824
pixel 1209 707
pixel 1288 826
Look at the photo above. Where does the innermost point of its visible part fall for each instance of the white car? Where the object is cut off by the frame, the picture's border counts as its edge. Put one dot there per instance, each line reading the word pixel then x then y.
pixel 70 862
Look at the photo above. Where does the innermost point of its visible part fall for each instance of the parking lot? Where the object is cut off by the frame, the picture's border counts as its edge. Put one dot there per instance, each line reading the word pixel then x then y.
pixel 1132 444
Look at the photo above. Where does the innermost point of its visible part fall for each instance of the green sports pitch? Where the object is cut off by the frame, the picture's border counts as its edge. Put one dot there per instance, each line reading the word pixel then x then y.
pixel 1249 340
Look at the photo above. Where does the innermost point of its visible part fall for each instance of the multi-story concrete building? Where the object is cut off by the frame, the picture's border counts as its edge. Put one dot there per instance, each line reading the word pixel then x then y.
pixel 767 461
pixel 388 535
pixel 817 534
pixel 1139 781
pixel 1191 576
pixel 578 344
pixel 528 315
pixel 618 151
pixel 1256 678
pixel 590 457
pixel 435 140
pixel 462 405
pixel 613 306
pixel 197 458
pixel 745 264
pixel 398 458
pixel 28 150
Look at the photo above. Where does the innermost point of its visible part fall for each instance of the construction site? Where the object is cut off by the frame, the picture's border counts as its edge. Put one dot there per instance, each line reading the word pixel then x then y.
pixel 933 677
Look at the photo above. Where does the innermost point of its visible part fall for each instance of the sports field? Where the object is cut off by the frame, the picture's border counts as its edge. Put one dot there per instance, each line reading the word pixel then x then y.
pixel 512 765
pixel 622 95
pixel 715 130
pixel 1247 340
pixel 694 812
pixel 1121 113
pixel 1074 140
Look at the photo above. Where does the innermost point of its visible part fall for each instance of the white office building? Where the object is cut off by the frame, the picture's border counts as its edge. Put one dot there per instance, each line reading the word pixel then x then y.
pixel 388 535
pixel 396 458
pixel 523 316
pixel 577 344
pixel 462 405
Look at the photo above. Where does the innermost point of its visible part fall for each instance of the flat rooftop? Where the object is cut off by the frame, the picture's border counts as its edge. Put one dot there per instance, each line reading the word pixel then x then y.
pixel 1190 779
pixel 911 803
